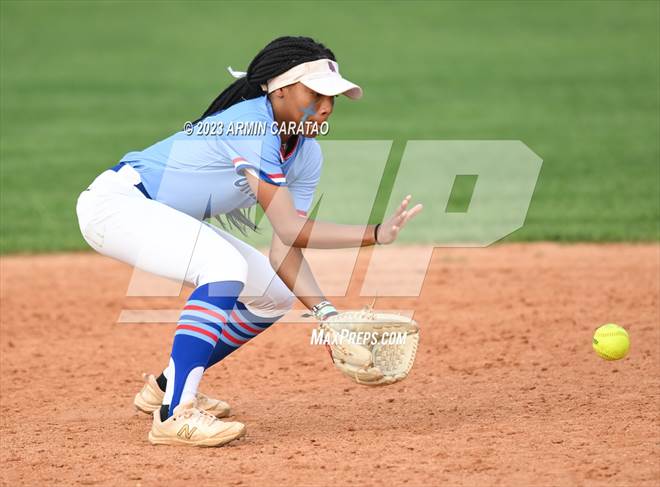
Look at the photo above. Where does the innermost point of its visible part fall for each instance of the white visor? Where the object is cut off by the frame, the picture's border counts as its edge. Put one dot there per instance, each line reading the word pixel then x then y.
pixel 321 76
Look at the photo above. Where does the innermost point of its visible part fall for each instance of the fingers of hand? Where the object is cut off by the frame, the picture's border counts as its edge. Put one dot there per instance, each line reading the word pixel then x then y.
pixel 408 215
pixel 411 213
pixel 402 206
pixel 401 217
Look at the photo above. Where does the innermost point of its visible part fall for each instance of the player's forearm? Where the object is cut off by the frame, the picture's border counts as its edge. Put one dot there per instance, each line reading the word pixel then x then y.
pixel 326 235
pixel 292 267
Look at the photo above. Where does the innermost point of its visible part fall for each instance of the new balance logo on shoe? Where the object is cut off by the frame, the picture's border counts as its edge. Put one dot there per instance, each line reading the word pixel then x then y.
pixel 186 432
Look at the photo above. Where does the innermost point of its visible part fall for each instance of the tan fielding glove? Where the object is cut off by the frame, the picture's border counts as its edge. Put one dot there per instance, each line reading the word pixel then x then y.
pixel 371 348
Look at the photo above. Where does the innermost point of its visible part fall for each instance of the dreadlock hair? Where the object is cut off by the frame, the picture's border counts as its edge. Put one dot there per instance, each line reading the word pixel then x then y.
pixel 277 57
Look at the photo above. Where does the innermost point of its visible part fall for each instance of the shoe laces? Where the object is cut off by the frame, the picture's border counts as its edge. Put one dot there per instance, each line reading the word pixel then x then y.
pixel 199 415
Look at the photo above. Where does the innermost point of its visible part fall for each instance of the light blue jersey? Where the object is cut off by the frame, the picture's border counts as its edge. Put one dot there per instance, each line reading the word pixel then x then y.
pixel 202 174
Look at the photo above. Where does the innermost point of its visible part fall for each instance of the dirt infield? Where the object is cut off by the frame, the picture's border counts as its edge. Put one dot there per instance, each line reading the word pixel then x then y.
pixel 505 391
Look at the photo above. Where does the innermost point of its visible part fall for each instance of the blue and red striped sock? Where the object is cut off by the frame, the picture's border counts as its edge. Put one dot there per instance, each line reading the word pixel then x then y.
pixel 199 330
pixel 241 327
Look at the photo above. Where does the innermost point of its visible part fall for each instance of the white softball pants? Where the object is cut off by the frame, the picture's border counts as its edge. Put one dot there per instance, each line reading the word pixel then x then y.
pixel 116 219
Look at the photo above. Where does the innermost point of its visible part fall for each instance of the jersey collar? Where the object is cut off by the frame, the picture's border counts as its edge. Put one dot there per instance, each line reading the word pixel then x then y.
pixel 286 156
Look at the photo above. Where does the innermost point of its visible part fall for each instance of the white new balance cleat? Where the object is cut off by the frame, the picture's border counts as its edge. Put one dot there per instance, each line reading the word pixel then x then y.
pixel 150 398
pixel 193 427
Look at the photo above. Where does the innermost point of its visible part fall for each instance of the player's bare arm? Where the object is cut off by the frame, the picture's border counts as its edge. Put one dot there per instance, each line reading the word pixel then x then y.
pixel 308 233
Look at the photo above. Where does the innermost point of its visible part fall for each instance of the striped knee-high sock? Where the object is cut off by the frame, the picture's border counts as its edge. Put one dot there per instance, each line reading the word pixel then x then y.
pixel 199 329
pixel 241 327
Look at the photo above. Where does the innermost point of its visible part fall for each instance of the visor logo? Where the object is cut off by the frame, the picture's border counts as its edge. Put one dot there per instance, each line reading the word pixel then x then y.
pixel 332 66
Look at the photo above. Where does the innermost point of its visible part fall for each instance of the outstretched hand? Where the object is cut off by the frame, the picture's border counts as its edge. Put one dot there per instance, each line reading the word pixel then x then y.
pixel 390 228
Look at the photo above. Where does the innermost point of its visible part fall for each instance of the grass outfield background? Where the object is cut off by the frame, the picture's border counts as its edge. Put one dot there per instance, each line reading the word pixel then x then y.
pixel 84 83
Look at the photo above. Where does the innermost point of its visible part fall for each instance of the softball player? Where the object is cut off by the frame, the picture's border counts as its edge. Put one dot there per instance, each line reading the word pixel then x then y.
pixel 149 210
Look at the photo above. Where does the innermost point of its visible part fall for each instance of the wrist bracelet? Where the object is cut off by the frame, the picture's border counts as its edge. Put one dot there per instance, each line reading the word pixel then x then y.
pixel 323 310
pixel 376 233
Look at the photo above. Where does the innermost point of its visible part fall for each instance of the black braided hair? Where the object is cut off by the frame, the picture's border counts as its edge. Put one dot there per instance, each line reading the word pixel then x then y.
pixel 277 57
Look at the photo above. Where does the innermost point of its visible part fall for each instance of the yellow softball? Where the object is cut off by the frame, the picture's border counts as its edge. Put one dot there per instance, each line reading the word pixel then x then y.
pixel 611 342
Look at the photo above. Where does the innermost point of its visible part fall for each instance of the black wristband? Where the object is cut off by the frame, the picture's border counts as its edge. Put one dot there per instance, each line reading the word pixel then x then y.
pixel 376 233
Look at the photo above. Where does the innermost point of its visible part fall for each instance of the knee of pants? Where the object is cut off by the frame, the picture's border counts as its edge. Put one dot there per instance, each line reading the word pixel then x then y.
pixel 215 260
pixel 272 304
pixel 225 270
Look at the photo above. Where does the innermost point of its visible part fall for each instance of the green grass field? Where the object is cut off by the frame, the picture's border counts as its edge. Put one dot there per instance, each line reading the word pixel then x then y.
pixel 84 83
